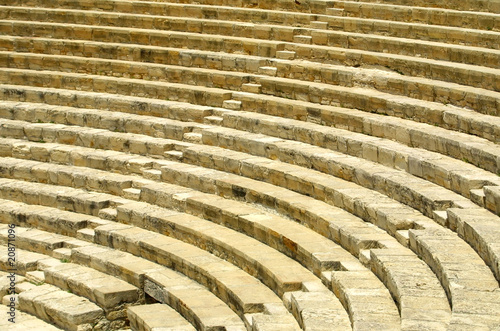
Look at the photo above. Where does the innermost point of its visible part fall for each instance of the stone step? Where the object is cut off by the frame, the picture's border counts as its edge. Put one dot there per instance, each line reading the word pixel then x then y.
pixel 471 5
pixel 9 281
pixel 213 120
pixel 413 65
pixel 319 252
pixel 26 261
pixel 231 104
pixel 481 38
pixel 442 141
pixel 465 181
pixel 335 11
pixel 43 217
pixel 319 25
pixel 191 137
pixel 114 103
pixel 156 316
pixel 365 298
pixel 269 71
pixel 63 309
pixel 65 198
pixel 251 88
pixel 285 55
pixel 302 39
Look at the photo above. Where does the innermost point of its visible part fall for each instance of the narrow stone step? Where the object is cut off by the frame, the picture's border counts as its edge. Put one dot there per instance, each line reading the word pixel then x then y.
pixel 440 216
pixel 195 302
pixel 213 120
pixel 270 71
pixel 173 155
pixel 110 213
pixel 478 197
pixel 285 55
pixel 128 193
pixel 252 88
pixel 153 174
pixel 86 234
pixel 231 104
pixel 335 11
pixel 192 137
pixel 302 39
pixel 63 254
pixel 319 25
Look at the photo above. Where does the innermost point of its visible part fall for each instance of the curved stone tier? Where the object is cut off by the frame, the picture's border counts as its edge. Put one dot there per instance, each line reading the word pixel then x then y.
pixel 257 165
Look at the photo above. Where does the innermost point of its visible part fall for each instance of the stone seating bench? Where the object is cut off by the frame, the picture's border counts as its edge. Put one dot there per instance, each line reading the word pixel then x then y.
pixel 180 222
pixel 111 294
pixel 401 29
pixel 465 277
pixel 419 14
pixel 142 36
pixel 100 119
pixel 401 186
pixel 130 212
pixel 158 72
pixel 44 301
pixel 450 173
pixel 41 217
pixel 370 100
